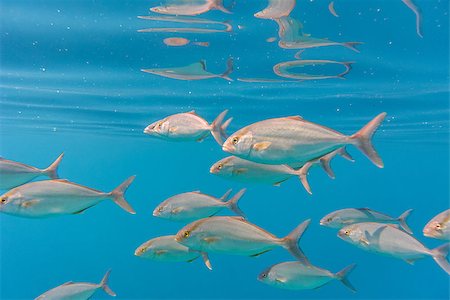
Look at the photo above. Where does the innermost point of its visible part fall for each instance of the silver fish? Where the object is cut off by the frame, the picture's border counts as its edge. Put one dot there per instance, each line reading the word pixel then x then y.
pixel 195 71
pixel 166 249
pixel 283 69
pixel 439 226
pixel 344 217
pixel 179 42
pixel 13 174
pixel 58 197
pixel 189 20
pixel 391 241
pixel 189 127
pixel 77 290
pixel 418 14
pixel 234 235
pixel 187 207
pixel 190 8
pixel 295 140
pixel 276 9
pixel 294 275
pixel 332 10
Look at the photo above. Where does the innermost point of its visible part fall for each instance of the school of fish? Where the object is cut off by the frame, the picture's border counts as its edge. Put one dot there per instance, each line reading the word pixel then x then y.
pixel 269 152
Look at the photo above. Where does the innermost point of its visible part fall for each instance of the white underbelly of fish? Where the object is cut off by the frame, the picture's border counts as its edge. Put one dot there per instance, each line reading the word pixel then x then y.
pixel 42 207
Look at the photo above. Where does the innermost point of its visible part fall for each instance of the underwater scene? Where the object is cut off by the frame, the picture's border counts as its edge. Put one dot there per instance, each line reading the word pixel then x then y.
pixel 220 149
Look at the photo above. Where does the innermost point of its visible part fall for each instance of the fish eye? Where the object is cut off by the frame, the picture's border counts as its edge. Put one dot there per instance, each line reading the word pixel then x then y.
pixel 187 234
pixel 329 219
pixel 220 166
pixel 347 232
pixel 235 140
pixel 160 209
pixel 264 275
pixel 4 199
pixel 438 226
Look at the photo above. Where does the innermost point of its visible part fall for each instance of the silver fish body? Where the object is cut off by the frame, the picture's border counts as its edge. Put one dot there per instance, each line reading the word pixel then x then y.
pixel 57 197
pixel 391 241
pixel 297 276
pixel 344 217
pixel 166 249
pixel 439 226
pixel 190 8
pixel 294 140
pixel 13 174
pixel 77 290
pixel 192 206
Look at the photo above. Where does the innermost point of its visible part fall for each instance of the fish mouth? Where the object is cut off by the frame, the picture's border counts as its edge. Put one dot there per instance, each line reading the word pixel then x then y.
pixel 227 148
pixel 137 252
pixel 322 223
pixel 155 212
pixel 213 170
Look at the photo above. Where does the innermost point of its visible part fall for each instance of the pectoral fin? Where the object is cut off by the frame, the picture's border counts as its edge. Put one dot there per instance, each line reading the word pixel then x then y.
pixel 239 171
pixel 281 279
pixel 176 210
pixel 364 241
pixel 261 146
pixel 410 261
pixel 173 129
pixel 29 203
pixel 160 252
pixel 210 240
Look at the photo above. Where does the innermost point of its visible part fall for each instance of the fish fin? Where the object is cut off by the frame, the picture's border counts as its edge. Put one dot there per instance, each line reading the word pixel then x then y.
pixel 218 4
pixel 173 129
pixel 203 64
pixel 343 276
pixel 162 251
pixel 104 284
pixel 81 211
pixel 260 253
pixel 332 10
pixel 228 71
pixel 440 256
pixel 232 204
pixel 352 45
pixel 295 118
pixel 52 170
pixel 261 146
pixel 176 210
pixel 117 195
pixel 375 236
pixel 216 127
pixel 366 211
pixel 302 173
pixel 201 139
pixel 364 241
pixel 191 260
pixel 239 171
pixel 224 127
pixel 226 195
pixel 343 152
pixel 402 221
pixel 363 140
pixel 29 203
pixel 280 182
pixel 206 260
pixel 291 242
pixel 418 14
pixel 298 54
pixel 211 239
pixel 410 261
pixel 61 180
pixel 67 283
pixel 281 279
pixel 325 163
pixel 192 112
pixel 196 191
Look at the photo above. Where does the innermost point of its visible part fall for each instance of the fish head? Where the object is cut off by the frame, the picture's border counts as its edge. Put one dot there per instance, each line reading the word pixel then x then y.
pixel 159 9
pixel 331 220
pixel 239 144
pixel 352 234
pixel 164 210
pixel 269 276
pixel 190 235
pixel 12 202
pixel 223 167
pixel 144 250
pixel 158 128
pixel 434 229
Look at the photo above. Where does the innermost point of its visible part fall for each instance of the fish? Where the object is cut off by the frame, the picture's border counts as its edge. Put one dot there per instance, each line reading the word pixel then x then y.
pixel 271 39
pixel 282 69
pixel 189 127
pixel 332 10
pixel 294 275
pixel 295 140
pixel 292 36
pixel 195 71
pixel 195 205
pixel 56 197
pixel 190 8
pixel 13 174
pixel 77 290
pixel 166 249
pixel 181 30
pixel 418 14
pixel 189 20
pixel 276 9
pixel 439 226
pixel 390 241
pixel 344 217
pixel 179 41
pixel 235 236
pixel 238 169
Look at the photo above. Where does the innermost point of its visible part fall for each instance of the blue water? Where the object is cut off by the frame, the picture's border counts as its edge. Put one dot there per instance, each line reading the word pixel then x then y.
pixel 70 81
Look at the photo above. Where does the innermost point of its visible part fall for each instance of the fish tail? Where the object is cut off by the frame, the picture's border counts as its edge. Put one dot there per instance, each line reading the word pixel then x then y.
pixel 363 140
pixel 302 173
pixel 348 68
pixel 229 70
pixel 233 203
pixel 343 276
pixel 52 170
pixel 206 260
pixel 216 127
pixel 104 284
pixel 352 45
pixel 440 256
pixel 291 242
pixel 402 221
pixel 118 195
pixel 226 195
pixel 218 4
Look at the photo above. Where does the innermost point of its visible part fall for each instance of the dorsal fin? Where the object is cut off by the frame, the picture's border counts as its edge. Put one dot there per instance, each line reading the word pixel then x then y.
pixel 196 192
pixel 67 283
pixel 61 180
pixel 203 63
pixel 296 118
pixel 192 112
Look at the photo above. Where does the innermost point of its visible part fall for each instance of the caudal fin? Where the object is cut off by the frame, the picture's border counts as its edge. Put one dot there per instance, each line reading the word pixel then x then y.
pixel 402 221
pixel 104 284
pixel 216 127
pixel 440 257
pixel 52 170
pixel 343 276
pixel 363 140
pixel 226 195
pixel 218 4
pixel 206 260
pixel 352 45
pixel 233 203
pixel 291 242
pixel 118 197
pixel 228 71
